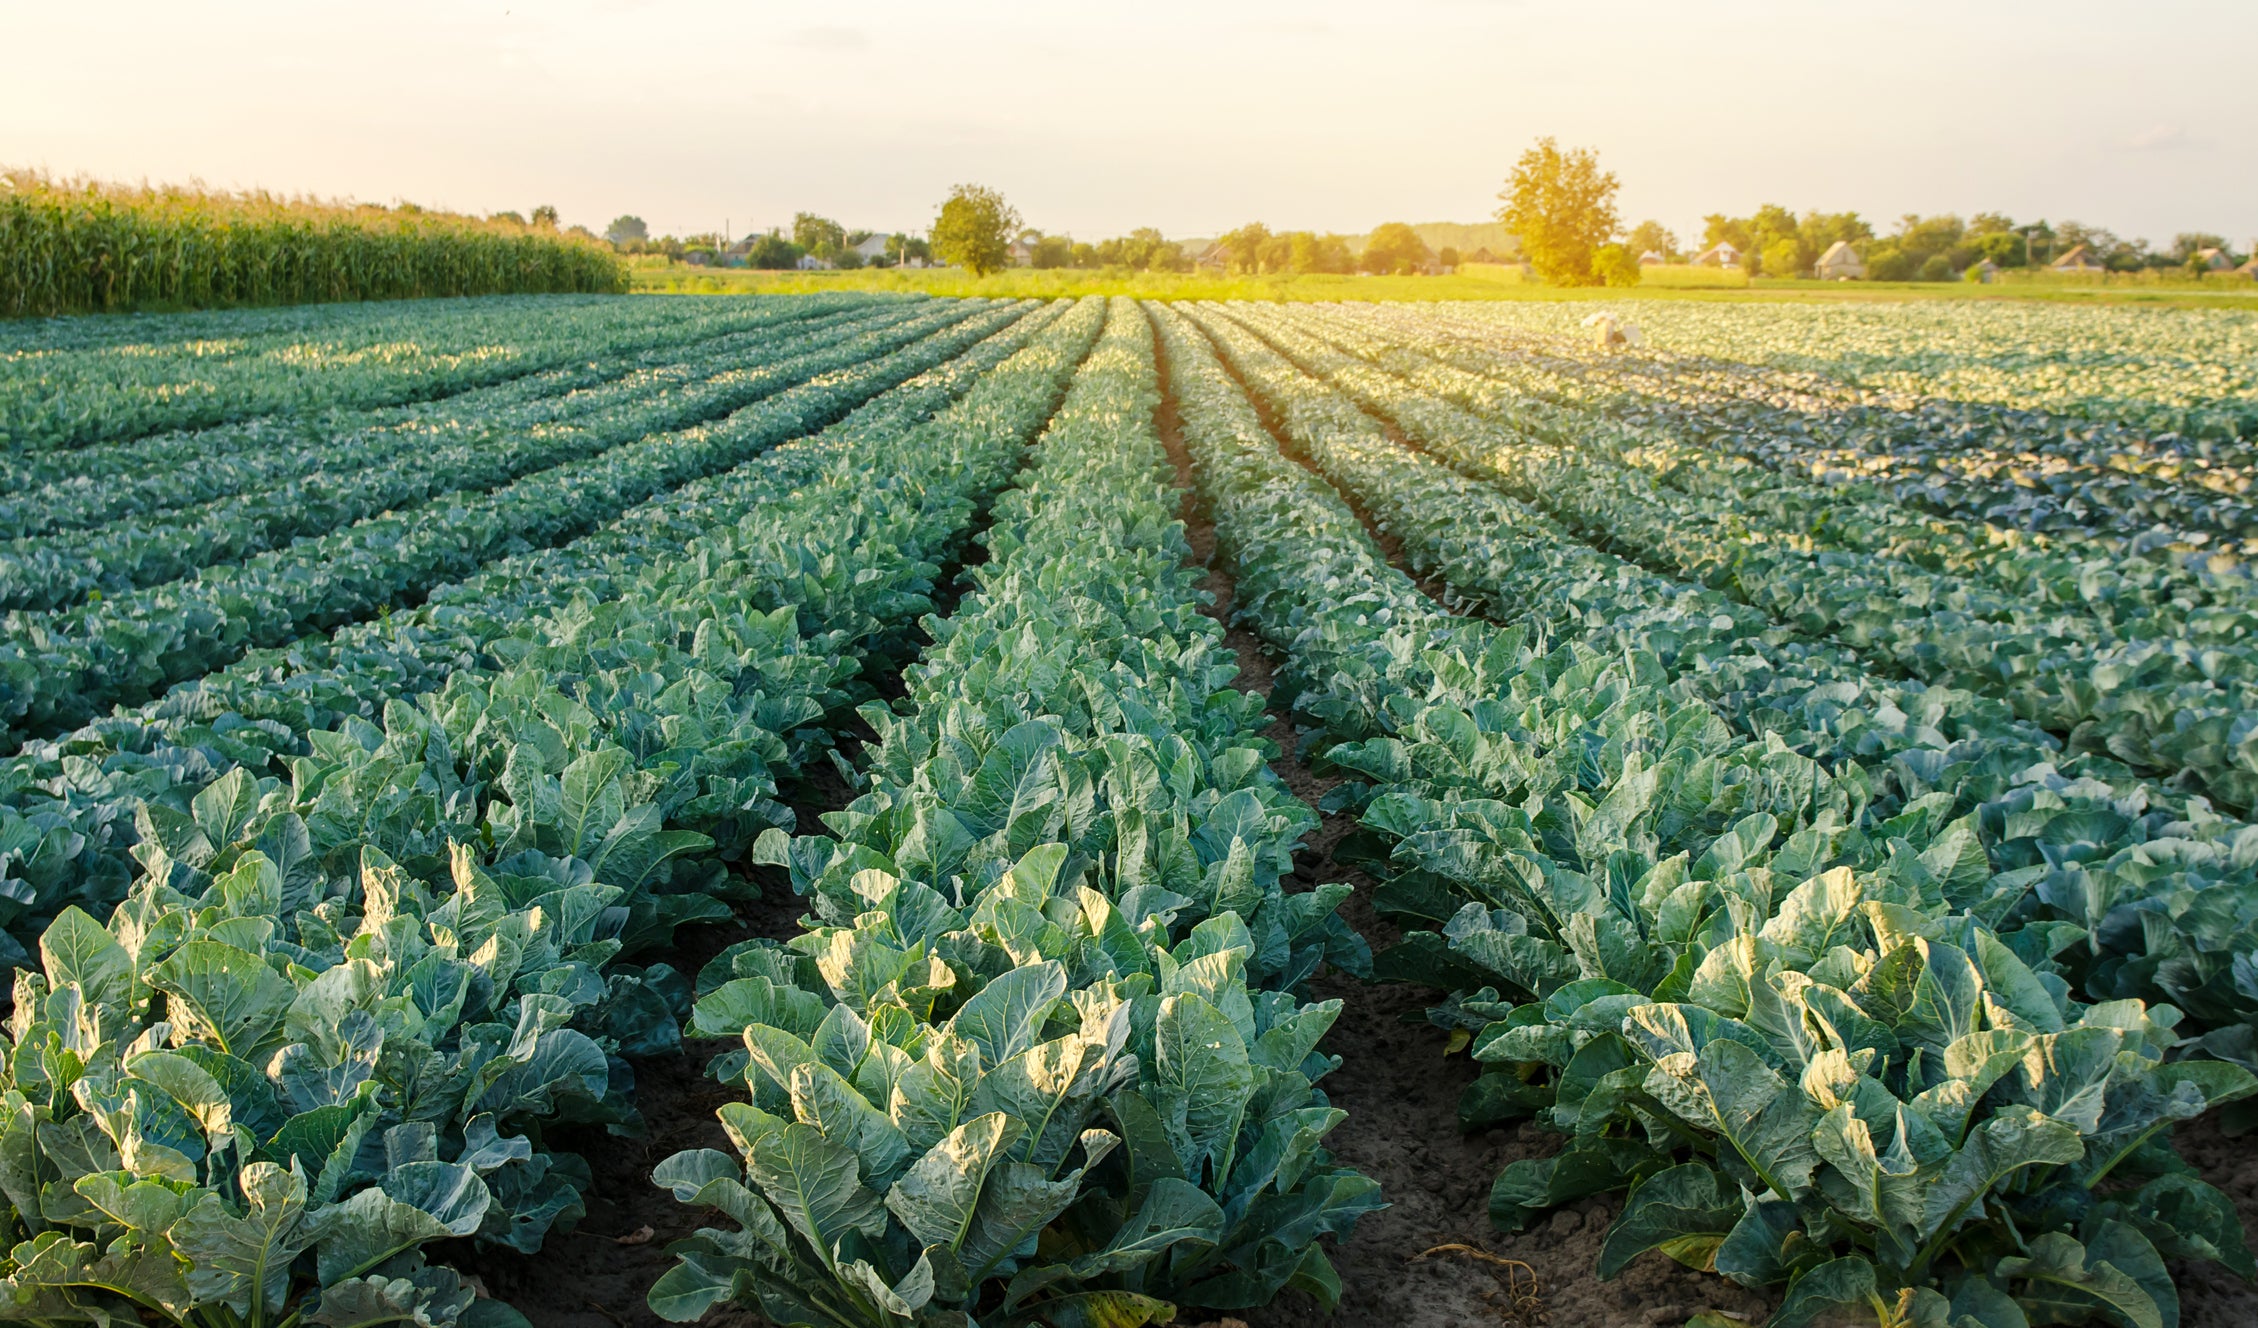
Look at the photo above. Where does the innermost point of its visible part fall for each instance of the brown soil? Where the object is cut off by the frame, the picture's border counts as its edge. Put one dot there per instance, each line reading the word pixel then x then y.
pixel 589 1278
pixel 1401 1094
pixel 596 1275
pixel 2210 1295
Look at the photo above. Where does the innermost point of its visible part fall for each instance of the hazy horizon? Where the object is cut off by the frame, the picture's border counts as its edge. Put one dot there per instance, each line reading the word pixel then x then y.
pixel 1193 118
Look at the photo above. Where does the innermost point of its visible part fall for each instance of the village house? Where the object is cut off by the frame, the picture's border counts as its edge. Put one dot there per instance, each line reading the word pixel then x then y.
pixel 2079 259
pixel 873 247
pixel 1651 259
pixel 1839 263
pixel 1721 254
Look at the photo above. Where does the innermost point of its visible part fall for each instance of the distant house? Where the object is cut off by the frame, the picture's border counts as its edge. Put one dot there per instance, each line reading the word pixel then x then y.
pixel 1721 254
pixel 2215 260
pixel 873 247
pixel 2249 269
pixel 1020 254
pixel 1214 256
pixel 1840 263
pixel 1986 272
pixel 1651 259
pixel 810 263
pixel 2079 259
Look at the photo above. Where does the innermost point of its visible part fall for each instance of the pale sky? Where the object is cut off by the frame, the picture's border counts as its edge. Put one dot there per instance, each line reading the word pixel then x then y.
pixel 1193 117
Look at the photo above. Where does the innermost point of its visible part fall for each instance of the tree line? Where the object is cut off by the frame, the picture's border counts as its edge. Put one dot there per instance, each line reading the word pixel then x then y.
pixel 1776 242
pixel 1562 206
pixel 811 235
pixel 1558 203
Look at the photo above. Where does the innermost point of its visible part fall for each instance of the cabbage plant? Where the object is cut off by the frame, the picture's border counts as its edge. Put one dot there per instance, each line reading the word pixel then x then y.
pixel 253 1106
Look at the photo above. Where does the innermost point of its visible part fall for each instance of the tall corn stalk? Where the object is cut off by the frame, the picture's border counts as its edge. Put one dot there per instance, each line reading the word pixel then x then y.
pixel 78 247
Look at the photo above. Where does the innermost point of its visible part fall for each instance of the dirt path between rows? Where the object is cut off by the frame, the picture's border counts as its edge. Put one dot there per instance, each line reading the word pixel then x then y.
pixel 1401 1094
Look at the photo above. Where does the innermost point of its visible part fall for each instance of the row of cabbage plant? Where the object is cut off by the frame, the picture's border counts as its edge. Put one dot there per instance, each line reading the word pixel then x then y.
pixel 479 442
pixel 1038 1058
pixel 338 1025
pixel 2160 685
pixel 2035 464
pixel 79 488
pixel 61 669
pixel 1710 448
pixel 2146 889
pixel 1741 998
pixel 2137 493
pixel 72 811
pixel 70 382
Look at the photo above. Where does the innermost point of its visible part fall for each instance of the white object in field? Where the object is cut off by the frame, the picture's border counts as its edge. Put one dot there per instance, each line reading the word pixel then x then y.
pixel 1612 332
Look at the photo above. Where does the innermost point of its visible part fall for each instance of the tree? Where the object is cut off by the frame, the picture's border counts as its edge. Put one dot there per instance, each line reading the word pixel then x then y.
pixel 2003 248
pixel 1052 251
pixel 1887 262
pixel 2186 244
pixel 903 248
pixel 818 235
pixel 545 217
pixel 1143 249
pixel 513 218
pixel 1322 253
pixel 1157 254
pixel 773 251
pixel 1447 257
pixel 1562 206
pixel 627 230
pixel 1650 237
pixel 1616 265
pixel 1919 248
pixel 974 229
pixel 1818 231
pixel 1783 257
pixel 1246 246
pixel 1395 247
pixel 1717 228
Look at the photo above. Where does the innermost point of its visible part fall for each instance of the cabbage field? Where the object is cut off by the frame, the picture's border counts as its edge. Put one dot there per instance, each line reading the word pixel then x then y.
pixel 877 812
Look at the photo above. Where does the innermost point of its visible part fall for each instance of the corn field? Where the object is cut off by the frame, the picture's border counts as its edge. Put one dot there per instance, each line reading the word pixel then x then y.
pixel 77 247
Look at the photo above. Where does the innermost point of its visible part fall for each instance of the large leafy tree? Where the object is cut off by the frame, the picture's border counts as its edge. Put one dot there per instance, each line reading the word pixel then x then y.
pixel 1562 205
pixel 974 229
pixel 1247 246
pixel 1395 247
pixel 627 229
pixel 1652 237
pixel 820 235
